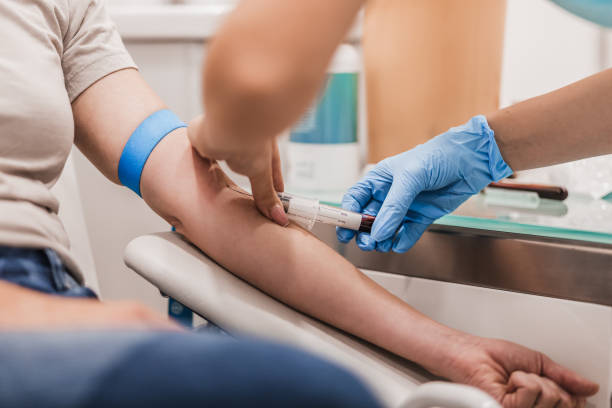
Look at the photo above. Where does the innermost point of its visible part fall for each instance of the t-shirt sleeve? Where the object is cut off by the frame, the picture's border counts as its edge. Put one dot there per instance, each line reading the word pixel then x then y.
pixel 92 47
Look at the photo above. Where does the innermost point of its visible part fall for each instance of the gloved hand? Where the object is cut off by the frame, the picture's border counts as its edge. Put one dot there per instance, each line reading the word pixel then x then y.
pixel 409 191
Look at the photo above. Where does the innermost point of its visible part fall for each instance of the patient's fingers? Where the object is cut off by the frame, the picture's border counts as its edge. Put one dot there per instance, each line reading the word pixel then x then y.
pixel 552 395
pixel 527 390
pixel 568 379
pixel 524 393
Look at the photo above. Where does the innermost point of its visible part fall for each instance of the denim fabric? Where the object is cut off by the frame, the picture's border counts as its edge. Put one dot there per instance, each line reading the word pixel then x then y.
pixel 152 369
pixel 41 270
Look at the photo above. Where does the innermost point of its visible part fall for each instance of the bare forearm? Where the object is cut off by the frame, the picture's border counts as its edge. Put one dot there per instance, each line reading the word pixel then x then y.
pixel 257 81
pixel 287 263
pixel 571 123
pixel 26 310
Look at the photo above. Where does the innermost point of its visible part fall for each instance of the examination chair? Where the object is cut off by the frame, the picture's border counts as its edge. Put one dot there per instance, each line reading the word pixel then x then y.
pixel 182 271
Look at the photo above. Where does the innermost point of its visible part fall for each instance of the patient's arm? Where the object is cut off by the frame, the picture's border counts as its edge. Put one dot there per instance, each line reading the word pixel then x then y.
pixel 298 269
pixel 289 263
pixel 26 310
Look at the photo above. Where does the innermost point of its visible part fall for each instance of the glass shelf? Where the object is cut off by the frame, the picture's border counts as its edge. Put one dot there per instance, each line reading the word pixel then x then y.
pixel 579 218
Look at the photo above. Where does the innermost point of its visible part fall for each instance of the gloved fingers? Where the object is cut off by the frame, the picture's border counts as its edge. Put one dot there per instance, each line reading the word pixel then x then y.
pixel 380 191
pixel 372 208
pixel 394 209
pixel 431 205
pixel 408 235
pixel 375 183
pixel 351 204
pixel 357 196
pixel 354 200
pixel 365 242
pixel 344 235
pixel 384 246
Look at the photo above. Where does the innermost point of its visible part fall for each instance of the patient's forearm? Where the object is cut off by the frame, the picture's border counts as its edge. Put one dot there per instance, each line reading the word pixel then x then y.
pixel 287 263
pixel 26 310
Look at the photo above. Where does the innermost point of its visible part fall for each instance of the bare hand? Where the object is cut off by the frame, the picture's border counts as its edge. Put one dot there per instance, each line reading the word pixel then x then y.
pixel 25 309
pixel 519 377
pixel 260 162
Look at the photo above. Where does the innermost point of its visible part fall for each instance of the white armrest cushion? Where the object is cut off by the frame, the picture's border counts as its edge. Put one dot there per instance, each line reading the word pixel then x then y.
pixel 182 271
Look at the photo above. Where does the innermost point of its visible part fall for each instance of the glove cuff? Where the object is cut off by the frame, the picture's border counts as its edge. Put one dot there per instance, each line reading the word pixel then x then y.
pixel 498 168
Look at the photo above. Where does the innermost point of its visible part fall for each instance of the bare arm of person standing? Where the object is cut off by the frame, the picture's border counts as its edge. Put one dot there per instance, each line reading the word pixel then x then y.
pixel 263 68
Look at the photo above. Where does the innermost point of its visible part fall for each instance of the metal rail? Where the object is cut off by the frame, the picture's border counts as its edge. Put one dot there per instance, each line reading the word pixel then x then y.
pixel 569 270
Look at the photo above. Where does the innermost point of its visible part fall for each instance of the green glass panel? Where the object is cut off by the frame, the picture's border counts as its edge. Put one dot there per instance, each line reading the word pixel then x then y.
pixel 579 218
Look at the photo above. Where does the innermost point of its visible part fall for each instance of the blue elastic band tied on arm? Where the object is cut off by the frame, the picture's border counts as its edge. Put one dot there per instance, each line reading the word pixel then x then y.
pixel 142 142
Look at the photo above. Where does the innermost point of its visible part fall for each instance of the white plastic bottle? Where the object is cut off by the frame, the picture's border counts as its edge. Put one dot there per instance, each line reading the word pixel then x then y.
pixel 323 151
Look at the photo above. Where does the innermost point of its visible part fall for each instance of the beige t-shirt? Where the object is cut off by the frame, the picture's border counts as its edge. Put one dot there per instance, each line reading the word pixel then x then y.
pixel 50 52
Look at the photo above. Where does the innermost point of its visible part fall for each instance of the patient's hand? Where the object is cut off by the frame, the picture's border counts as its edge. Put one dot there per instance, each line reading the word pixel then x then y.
pixel 519 377
pixel 24 309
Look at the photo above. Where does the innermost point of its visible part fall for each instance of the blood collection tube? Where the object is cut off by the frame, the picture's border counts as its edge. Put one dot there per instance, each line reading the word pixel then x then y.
pixel 307 211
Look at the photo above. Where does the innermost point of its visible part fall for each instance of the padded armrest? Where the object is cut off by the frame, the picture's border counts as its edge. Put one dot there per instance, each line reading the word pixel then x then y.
pixel 182 271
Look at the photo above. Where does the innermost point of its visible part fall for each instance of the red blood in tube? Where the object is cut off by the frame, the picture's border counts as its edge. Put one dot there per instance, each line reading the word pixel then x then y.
pixel 366 223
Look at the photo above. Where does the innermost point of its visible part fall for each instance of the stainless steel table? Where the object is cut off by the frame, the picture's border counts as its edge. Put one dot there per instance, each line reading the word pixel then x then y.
pixel 560 268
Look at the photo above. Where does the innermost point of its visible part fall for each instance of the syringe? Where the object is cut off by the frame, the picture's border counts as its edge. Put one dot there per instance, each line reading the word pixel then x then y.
pixel 307 211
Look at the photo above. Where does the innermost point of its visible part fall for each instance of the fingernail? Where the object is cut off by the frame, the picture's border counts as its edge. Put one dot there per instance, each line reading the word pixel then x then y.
pixel 279 216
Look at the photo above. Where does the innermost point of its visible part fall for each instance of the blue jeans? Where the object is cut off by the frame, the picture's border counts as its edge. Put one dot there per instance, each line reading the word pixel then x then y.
pixel 153 369
pixel 41 270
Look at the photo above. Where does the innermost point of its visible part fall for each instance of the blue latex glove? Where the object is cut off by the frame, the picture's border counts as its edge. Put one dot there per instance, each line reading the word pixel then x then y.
pixel 409 191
